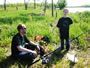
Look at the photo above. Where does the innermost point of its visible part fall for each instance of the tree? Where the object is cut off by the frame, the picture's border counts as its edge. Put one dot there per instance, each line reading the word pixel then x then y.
pixel 52 9
pixel 62 4
pixel 5 5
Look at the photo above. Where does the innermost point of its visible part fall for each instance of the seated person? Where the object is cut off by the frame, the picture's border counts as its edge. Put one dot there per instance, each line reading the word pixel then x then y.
pixel 21 50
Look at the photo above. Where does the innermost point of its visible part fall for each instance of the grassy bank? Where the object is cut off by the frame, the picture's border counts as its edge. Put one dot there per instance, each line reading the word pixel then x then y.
pixel 45 26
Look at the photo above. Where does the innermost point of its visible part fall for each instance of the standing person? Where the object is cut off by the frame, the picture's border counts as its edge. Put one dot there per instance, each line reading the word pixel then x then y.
pixel 63 25
pixel 21 50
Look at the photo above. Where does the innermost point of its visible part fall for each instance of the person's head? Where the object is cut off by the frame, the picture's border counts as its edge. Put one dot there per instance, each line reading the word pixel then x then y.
pixel 65 11
pixel 21 28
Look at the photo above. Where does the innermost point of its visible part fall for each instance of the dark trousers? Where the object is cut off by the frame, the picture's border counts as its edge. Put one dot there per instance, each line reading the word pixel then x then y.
pixel 67 43
pixel 29 56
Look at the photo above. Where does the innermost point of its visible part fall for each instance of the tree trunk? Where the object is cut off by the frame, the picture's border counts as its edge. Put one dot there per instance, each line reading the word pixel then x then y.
pixel 5 5
pixel 45 6
pixel 25 5
pixel 52 9
pixel 34 4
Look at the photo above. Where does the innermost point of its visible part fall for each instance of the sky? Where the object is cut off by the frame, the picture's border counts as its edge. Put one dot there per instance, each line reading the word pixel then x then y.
pixel 69 2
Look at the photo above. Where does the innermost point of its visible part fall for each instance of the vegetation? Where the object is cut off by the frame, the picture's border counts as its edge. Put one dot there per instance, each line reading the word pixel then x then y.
pixel 45 26
pixel 85 6
pixel 62 4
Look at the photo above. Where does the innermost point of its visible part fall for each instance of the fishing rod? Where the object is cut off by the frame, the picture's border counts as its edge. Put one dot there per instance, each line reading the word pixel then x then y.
pixel 59 47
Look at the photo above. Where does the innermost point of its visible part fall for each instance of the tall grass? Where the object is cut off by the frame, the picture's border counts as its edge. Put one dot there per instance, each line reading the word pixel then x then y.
pixel 45 26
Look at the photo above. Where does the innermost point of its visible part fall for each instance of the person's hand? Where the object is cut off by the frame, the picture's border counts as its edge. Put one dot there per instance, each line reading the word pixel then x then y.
pixel 38 47
pixel 35 53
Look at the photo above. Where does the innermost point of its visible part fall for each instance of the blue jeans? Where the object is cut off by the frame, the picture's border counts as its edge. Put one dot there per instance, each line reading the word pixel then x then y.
pixel 29 56
pixel 25 56
pixel 67 43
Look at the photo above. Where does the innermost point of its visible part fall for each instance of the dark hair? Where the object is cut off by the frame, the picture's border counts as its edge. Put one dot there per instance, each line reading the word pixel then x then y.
pixel 19 27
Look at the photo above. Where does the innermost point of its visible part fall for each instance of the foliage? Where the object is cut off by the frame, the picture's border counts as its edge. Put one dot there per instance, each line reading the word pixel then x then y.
pixel 62 4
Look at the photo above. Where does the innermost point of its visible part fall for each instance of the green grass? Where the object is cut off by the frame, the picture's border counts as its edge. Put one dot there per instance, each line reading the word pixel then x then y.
pixel 40 25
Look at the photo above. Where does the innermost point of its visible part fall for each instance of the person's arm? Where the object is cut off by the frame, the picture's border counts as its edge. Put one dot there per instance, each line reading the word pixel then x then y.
pixel 71 22
pixel 34 44
pixel 18 44
pixel 31 43
pixel 26 39
pixel 22 49
pixel 59 23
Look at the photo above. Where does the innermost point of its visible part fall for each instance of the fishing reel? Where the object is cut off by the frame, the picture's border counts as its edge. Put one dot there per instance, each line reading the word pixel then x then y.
pixel 45 61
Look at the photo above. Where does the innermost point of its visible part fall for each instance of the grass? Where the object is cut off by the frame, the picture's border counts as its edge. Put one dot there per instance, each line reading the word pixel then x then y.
pixel 45 26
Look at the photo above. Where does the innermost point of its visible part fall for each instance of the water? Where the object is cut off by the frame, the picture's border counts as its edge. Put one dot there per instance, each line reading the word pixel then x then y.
pixel 78 9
